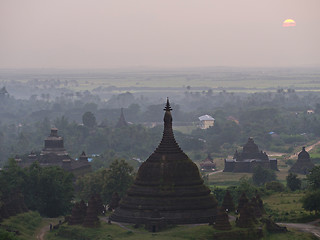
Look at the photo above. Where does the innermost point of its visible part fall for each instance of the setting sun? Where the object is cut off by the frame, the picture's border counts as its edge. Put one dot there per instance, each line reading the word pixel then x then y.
pixel 289 23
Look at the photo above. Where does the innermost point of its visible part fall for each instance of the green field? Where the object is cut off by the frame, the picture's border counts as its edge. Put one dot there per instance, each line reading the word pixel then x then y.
pixel 30 224
pixel 287 207
pixel 188 232
pixel 174 80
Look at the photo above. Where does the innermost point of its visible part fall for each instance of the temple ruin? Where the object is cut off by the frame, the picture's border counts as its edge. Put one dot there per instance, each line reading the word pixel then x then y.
pixel 54 154
pixel 248 159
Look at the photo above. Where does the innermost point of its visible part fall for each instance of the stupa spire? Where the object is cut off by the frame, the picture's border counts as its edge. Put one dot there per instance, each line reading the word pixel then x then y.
pixel 122 121
pixel 168 143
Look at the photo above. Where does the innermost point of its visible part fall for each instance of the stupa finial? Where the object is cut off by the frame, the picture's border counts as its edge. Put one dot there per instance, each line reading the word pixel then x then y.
pixel 167 108
pixel 168 143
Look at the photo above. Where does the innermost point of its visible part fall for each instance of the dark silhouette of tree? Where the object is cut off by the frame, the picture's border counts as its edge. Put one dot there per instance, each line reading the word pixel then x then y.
pixel 314 178
pixel 262 175
pixel 311 201
pixel 293 182
pixel 89 120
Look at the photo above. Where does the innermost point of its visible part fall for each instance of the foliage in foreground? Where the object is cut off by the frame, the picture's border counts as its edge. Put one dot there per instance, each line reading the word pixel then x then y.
pixel 48 190
pixel 25 223
pixel 110 232
pixel 311 201
pixel 117 178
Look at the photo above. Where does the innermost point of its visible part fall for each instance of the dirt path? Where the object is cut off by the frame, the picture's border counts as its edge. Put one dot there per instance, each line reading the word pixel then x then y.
pixel 215 172
pixel 42 232
pixel 46 228
pixel 305 227
pixel 295 155
pixel 308 148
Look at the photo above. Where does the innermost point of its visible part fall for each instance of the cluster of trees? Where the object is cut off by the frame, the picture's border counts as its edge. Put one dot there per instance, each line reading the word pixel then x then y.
pixel 106 181
pixel 311 201
pixel 48 190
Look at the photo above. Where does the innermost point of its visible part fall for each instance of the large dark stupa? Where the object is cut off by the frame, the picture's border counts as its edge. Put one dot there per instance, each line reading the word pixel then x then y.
pixel 167 182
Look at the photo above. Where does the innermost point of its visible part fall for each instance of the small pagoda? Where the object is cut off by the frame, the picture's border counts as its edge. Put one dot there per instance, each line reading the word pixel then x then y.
pixel 76 215
pixel 303 165
pixel 222 220
pixel 227 203
pixel 91 219
pixel 167 182
pixel 122 121
pixel 207 165
pixel 242 201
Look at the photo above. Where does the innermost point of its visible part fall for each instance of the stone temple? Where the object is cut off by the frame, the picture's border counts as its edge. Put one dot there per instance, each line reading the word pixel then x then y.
pixel 250 157
pixel 54 154
pixel 304 164
pixel 168 183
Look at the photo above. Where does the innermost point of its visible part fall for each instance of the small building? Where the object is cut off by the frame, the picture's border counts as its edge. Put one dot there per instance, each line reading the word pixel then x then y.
pixel 206 121
pixel 304 164
pixel 310 111
pixel 248 159
pixel 207 165
pixel 54 154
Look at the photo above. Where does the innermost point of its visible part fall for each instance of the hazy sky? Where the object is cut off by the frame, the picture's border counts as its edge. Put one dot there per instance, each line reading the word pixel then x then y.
pixel 158 33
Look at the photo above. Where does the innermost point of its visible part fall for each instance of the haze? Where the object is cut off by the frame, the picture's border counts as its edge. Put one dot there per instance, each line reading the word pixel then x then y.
pixel 166 33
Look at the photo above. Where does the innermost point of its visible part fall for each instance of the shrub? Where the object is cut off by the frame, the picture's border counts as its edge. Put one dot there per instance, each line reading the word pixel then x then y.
pixel 275 186
pixel 293 182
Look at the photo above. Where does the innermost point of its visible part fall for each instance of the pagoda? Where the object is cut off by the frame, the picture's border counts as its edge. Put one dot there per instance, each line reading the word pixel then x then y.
pixel 169 183
pixel 122 121
pixel 304 164
pixel 249 158
pixel 54 154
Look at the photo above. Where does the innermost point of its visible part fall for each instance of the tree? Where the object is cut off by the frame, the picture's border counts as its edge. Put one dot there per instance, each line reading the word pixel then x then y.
pixel 48 190
pixel 314 178
pixel 12 178
pixel 89 120
pixel 117 178
pixel 293 182
pixel 311 201
pixel 262 175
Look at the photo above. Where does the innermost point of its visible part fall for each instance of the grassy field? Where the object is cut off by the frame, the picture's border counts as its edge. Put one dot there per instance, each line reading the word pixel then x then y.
pixel 30 223
pixel 189 232
pixel 26 223
pixel 287 207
